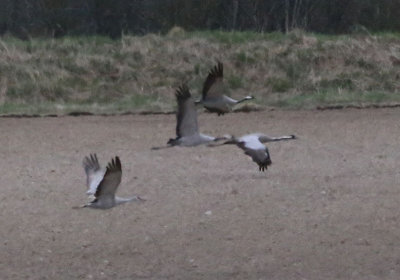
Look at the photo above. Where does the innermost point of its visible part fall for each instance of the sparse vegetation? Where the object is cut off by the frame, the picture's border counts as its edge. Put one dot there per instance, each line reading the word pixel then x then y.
pixel 140 73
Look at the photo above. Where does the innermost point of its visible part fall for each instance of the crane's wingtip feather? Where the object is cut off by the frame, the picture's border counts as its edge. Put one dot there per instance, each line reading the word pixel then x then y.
pixel 118 162
pixel 183 92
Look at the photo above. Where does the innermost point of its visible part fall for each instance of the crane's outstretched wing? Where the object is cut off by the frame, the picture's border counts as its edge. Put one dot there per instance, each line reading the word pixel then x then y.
pixel 94 174
pixel 186 117
pixel 213 86
pixel 111 180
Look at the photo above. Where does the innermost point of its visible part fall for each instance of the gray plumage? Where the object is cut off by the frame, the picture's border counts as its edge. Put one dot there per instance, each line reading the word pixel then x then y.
pixel 252 145
pixel 187 129
pixel 213 98
pixel 103 183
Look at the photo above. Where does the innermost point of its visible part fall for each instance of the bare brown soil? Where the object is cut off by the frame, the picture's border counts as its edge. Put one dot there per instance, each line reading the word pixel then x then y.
pixel 328 208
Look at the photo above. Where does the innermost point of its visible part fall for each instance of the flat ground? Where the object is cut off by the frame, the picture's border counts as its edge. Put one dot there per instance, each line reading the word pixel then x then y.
pixel 328 208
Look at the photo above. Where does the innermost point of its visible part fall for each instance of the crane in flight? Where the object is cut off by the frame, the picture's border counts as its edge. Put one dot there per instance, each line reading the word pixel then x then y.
pixel 187 129
pixel 252 145
pixel 102 183
pixel 212 97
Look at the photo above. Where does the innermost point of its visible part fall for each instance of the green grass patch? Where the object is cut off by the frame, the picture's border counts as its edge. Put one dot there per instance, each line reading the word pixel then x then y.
pixel 335 98
pixel 279 84
pixel 343 83
pixel 235 82
pixel 136 73
pixel 243 58
pixel 236 37
pixel 132 103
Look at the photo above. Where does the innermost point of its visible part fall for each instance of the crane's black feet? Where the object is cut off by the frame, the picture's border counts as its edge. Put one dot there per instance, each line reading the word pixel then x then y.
pixel 263 167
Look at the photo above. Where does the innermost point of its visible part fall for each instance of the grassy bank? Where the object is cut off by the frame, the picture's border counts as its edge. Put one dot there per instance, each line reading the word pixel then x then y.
pixel 296 70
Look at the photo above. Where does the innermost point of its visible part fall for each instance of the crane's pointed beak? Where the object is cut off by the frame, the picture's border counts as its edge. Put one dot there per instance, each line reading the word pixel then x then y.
pixel 79 207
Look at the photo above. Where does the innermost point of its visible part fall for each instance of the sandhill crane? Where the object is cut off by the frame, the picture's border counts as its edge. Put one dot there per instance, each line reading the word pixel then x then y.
pixel 103 183
pixel 213 98
pixel 187 131
pixel 252 145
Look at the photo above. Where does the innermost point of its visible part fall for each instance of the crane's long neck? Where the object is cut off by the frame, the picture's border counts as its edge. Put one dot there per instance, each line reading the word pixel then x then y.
pixel 121 200
pixel 284 137
pixel 244 99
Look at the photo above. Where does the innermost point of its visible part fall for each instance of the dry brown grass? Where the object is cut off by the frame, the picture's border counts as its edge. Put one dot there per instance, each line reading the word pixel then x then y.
pixel 141 73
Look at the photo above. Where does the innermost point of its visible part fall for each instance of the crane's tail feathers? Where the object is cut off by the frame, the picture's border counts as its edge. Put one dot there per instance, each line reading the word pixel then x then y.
pixel 224 137
pixel 227 139
pixel 214 144
pixel 138 198
pixel 230 139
